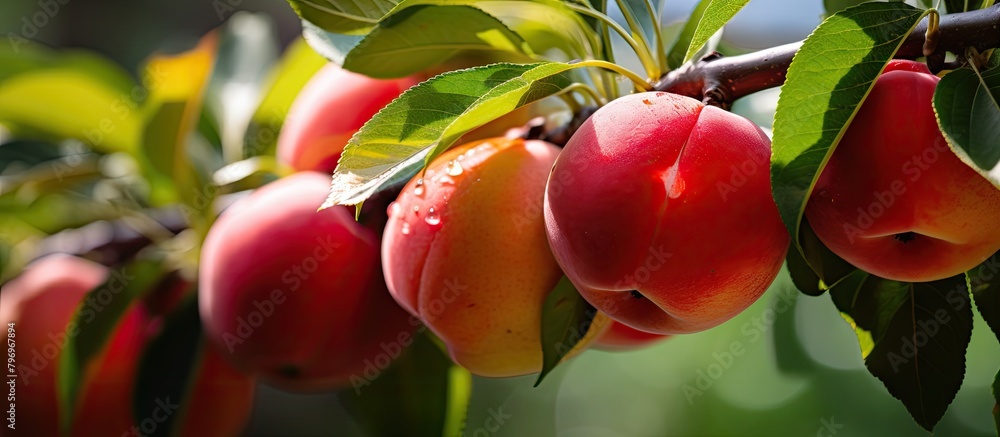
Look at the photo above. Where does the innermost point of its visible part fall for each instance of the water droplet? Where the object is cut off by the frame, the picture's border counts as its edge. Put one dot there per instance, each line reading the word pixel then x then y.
pixel 460 157
pixel 419 190
pixel 416 209
pixel 455 168
pixel 394 210
pixel 406 229
pixel 433 217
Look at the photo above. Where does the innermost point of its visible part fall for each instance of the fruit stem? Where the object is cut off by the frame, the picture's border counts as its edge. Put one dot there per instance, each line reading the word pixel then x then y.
pixel 729 78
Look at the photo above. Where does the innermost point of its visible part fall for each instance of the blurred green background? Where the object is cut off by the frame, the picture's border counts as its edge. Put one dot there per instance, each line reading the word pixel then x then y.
pixel 801 372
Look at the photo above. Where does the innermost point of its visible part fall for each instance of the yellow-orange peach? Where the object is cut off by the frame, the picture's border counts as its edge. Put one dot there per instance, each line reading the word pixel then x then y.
pixel 465 250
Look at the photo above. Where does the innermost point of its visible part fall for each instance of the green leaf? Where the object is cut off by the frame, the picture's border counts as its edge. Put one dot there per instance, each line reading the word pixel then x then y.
pixel 816 268
pixel 95 322
pixel 714 15
pixel 248 48
pixel 419 37
pixel 996 406
pixel 676 56
pixel 174 107
pixel 428 118
pixel 985 283
pixel 956 6
pixel 422 392
pixel 566 318
pixel 167 366
pixel 913 337
pixel 827 80
pixel 54 95
pixel 287 78
pixel 332 46
pixel 967 106
pixel 545 25
pixel 834 6
pixel 349 17
pixel 637 11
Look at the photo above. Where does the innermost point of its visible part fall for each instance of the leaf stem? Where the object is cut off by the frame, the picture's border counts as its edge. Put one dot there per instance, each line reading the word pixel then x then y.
pixel 661 48
pixel 644 56
pixel 640 83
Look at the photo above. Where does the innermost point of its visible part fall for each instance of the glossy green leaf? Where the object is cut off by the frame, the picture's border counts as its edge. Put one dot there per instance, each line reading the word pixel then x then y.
pixel 54 95
pixel 428 118
pixel 167 366
pixel 827 80
pixel 715 15
pixel 985 283
pixel 913 337
pixel 287 78
pixel 94 322
pixel 637 11
pixel 676 56
pixel 332 46
pixel 566 318
pixel 834 6
pixel 967 106
pixel 421 392
pixel 348 17
pixel 545 25
pixel 423 36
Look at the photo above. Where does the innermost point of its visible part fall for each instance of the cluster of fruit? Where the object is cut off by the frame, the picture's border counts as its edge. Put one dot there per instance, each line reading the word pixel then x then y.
pixel 658 210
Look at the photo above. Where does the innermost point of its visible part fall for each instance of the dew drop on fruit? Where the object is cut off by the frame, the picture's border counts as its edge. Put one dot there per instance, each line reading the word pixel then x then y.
pixel 455 168
pixel 394 210
pixel 406 228
pixel 433 218
pixel 419 190
pixel 416 209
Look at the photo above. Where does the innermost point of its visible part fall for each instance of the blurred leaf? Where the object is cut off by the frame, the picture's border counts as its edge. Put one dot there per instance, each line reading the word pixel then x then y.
pixel 249 174
pixel 710 19
pixel 637 11
pixel 348 17
pixel 57 95
pixel 827 81
pixel 834 6
pixel 419 37
pixel 20 155
pixel 248 48
pixel 985 283
pixel 426 119
pixel 790 355
pixel 421 392
pixel 94 326
pixel 566 318
pixel 174 106
pixel 968 112
pixel 956 6
pixel 54 212
pixel 167 366
pixel 913 337
pixel 296 67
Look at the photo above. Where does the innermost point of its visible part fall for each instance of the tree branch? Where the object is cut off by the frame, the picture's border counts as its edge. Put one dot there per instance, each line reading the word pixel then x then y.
pixel 719 80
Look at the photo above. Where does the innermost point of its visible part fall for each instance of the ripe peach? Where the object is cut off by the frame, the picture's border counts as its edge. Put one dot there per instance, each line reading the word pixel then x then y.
pixel 332 106
pixel 659 210
pixel 893 199
pixel 620 337
pixel 465 251
pixel 295 295
pixel 41 301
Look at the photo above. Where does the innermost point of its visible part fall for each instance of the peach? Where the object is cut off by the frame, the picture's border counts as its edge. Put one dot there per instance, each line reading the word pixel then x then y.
pixel 41 302
pixel 332 106
pixel 294 295
pixel 620 337
pixel 465 251
pixel 894 199
pixel 659 210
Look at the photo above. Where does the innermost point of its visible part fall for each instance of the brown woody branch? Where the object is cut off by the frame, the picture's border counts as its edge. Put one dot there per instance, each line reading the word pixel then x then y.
pixel 719 80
